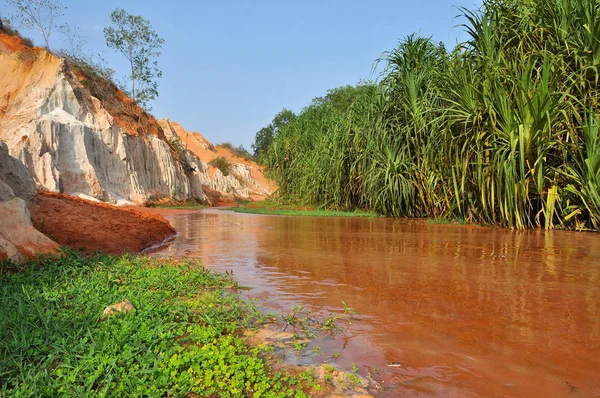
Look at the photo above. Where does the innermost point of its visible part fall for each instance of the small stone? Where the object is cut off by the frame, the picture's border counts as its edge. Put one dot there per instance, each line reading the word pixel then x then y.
pixel 123 307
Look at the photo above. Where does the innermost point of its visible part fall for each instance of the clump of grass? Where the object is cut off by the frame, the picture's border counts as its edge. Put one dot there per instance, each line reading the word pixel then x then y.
pixel 176 204
pixel 182 338
pixel 222 164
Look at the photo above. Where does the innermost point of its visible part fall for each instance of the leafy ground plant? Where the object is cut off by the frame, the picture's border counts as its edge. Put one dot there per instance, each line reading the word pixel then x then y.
pixel 184 335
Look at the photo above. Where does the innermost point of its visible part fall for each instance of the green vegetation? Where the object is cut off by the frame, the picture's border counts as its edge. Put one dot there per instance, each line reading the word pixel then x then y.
pixel 222 164
pixel 502 130
pixel 264 137
pixel 275 208
pixel 445 221
pixel 181 338
pixel 237 150
pixel 175 204
pixel 133 37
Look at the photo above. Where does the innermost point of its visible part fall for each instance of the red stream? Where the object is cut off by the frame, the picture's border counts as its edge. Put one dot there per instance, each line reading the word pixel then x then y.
pixel 464 311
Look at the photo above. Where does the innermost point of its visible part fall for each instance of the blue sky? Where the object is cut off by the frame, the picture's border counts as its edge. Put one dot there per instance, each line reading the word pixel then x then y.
pixel 229 66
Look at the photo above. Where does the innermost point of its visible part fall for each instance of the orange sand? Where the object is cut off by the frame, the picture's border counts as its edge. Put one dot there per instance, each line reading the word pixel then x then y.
pixel 91 226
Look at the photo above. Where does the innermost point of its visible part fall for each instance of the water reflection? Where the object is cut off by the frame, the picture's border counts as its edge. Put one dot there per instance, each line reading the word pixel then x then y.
pixel 465 310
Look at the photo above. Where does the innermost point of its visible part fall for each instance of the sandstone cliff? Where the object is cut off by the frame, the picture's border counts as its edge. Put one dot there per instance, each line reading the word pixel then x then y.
pixel 246 178
pixel 78 134
pixel 25 216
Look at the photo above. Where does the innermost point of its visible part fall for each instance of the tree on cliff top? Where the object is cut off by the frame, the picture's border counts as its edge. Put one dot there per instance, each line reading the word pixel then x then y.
pixel 134 38
pixel 39 15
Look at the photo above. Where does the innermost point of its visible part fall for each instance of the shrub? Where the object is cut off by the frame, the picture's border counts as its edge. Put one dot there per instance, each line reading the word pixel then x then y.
pixel 27 41
pixel 226 145
pixel 503 130
pixel 222 164
pixel 237 150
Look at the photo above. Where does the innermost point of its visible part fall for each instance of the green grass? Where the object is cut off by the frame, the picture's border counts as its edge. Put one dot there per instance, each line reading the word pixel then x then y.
pixel 190 204
pixel 274 208
pixel 182 338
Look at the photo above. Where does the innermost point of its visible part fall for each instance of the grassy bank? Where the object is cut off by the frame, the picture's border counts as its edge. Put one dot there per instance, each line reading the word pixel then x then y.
pixel 183 336
pixel 186 205
pixel 275 208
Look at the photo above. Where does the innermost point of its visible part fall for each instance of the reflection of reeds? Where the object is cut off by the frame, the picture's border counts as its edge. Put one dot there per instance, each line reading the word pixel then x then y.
pixel 503 130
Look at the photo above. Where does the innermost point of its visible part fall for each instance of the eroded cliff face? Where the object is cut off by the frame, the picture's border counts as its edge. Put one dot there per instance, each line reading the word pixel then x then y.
pixel 100 147
pixel 246 178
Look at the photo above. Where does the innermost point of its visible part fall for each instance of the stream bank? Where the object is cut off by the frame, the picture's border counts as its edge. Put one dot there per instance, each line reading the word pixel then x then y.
pixel 132 325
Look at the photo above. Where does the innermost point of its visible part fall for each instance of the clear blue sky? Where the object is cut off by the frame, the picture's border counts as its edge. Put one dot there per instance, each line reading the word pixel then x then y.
pixel 230 65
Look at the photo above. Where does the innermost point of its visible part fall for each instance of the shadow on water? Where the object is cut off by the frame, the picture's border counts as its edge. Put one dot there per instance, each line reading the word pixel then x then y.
pixel 456 311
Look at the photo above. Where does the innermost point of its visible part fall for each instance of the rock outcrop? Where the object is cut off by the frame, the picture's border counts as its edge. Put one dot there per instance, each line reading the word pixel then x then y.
pixel 79 134
pixel 19 240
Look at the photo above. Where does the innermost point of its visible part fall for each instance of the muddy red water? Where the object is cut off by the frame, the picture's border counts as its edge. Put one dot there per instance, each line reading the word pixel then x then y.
pixel 459 311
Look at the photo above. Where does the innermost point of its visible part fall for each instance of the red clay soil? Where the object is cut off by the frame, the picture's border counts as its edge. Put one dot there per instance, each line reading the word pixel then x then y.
pixel 13 43
pixel 91 226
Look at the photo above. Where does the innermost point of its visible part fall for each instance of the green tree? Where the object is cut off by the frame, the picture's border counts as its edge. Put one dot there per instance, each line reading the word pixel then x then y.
pixel 38 15
pixel 264 137
pixel 134 38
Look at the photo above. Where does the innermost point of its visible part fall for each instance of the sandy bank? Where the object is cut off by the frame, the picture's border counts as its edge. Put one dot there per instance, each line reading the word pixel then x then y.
pixel 91 226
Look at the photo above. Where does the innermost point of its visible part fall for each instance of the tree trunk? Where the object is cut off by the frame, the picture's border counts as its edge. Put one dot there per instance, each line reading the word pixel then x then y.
pixel 46 40
pixel 132 75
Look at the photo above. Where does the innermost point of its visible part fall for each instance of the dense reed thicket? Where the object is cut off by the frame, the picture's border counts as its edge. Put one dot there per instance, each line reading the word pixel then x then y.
pixel 502 130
